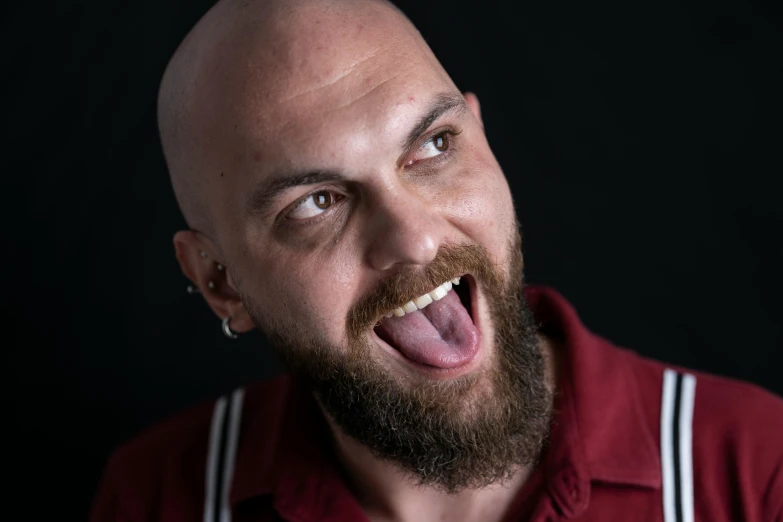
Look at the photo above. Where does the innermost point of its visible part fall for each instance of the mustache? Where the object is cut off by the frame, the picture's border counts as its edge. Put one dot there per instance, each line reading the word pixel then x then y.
pixel 452 260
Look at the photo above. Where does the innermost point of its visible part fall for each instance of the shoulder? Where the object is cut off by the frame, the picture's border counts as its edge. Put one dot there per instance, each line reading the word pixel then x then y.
pixel 171 456
pixel 186 434
pixel 738 440
pixel 741 409
pixel 736 430
pixel 723 407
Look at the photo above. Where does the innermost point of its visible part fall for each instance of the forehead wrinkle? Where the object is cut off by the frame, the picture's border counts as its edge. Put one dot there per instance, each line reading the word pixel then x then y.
pixel 395 116
pixel 311 110
pixel 344 74
pixel 369 91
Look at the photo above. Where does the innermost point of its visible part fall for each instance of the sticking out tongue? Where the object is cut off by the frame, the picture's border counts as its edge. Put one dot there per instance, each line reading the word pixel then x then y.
pixel 441 335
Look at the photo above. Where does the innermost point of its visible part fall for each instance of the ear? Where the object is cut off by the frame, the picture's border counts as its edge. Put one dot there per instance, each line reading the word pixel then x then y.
pixel 196 256
pixel 474 106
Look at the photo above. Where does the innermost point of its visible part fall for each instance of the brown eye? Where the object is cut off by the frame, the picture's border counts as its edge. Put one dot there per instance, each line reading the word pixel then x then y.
pixel 323 200
pixel 441 142
pixel 314 204
pixel 435 146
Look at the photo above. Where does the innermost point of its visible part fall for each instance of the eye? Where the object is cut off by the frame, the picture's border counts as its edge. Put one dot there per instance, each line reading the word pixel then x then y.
pixel 433 147
pixel 313 205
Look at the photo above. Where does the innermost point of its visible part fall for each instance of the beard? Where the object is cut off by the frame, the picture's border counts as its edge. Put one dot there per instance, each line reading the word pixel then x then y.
pixel 467 432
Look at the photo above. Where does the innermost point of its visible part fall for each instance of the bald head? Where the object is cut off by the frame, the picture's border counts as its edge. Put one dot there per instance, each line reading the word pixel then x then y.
pixel 243 77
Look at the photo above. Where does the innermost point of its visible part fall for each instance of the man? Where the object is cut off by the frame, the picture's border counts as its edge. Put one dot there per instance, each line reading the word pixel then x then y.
pixel 342 198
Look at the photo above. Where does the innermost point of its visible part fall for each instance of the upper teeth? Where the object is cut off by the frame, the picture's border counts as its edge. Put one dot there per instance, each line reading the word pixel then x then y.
pixel 423 300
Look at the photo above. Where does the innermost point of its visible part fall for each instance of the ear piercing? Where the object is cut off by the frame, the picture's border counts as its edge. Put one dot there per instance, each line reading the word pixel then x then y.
pixel 226 324
pixel 219 266
pixel 194 289
pixel 226 327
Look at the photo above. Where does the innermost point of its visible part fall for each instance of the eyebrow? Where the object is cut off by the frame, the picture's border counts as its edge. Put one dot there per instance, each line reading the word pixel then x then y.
pixel 442 104
pixel 264 196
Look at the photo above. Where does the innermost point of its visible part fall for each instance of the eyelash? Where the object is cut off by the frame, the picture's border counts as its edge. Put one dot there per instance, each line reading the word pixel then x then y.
pixel 338 197
pixel 440 158
pixel 427 162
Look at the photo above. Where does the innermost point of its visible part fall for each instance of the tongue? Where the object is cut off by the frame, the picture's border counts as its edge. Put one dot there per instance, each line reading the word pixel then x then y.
pixel 441 335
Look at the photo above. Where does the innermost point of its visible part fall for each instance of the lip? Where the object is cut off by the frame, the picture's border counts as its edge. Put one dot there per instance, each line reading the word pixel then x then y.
pixel 432 372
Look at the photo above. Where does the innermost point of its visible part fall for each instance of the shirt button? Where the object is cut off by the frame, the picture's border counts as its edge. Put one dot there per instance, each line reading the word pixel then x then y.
pixel 570 492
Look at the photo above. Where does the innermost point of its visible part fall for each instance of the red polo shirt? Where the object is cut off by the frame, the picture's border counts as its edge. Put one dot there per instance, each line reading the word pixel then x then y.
pixel 633 439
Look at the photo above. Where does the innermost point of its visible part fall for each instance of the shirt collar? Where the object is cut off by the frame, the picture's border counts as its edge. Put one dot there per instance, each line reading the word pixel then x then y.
pixel 286 452
pixel 599 432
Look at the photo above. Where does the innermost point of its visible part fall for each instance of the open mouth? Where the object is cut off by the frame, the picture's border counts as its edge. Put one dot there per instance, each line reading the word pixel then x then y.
pixel 436 329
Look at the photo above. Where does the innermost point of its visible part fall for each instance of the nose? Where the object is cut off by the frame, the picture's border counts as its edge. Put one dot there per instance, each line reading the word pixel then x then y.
pixel 403 229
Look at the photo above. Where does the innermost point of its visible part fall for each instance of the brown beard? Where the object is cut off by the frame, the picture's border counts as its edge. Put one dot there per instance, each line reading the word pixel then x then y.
pixel 468 432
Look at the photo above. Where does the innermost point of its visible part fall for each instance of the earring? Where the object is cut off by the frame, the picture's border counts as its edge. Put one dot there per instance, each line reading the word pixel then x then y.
pixel 211 285
pixel 227 331
pixel 203 254
pixel 192 290
pixel 219 267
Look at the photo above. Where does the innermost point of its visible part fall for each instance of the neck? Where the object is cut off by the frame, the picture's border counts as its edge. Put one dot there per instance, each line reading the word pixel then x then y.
pixel 387 493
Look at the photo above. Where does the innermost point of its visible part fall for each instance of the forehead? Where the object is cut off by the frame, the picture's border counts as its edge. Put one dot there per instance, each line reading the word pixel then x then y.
pixel 320 91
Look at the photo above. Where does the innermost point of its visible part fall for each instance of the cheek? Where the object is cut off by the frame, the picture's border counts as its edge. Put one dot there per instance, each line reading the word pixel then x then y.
pixel 481 205
pixel 298 292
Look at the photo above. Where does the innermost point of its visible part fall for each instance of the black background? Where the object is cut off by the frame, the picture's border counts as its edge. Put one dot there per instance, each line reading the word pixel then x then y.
pixel 641 139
